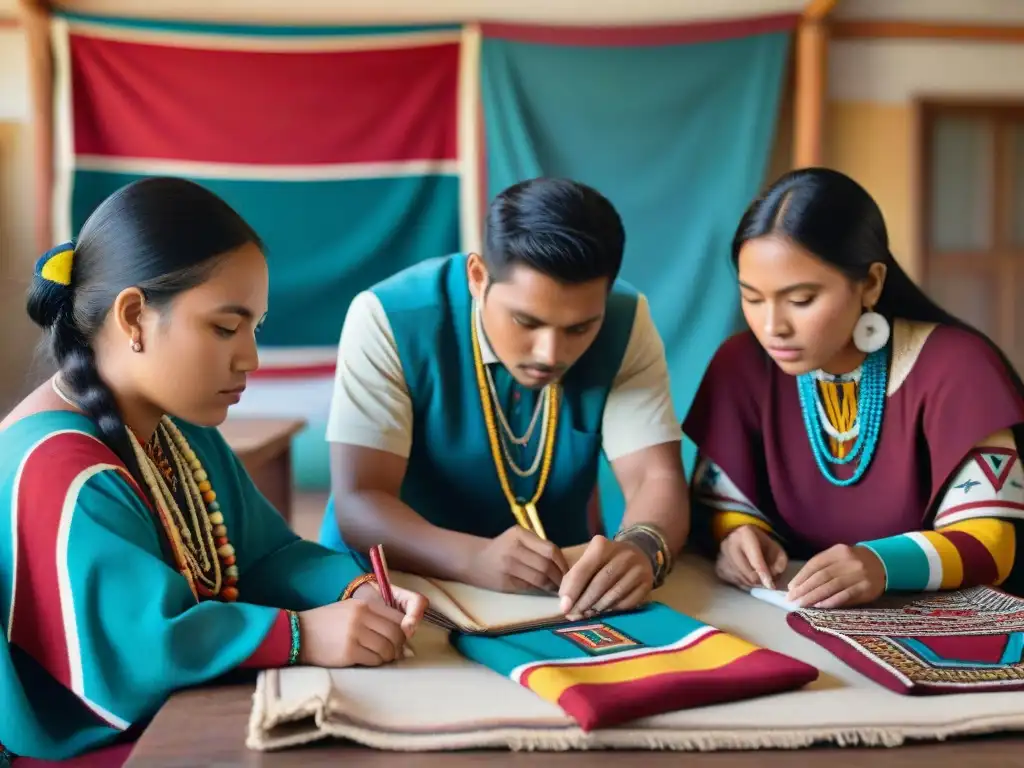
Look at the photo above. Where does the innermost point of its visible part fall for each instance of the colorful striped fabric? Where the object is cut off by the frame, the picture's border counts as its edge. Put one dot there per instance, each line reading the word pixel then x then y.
pixel 976 527
pixel 976 551
pixel 609 671
pixel 341 146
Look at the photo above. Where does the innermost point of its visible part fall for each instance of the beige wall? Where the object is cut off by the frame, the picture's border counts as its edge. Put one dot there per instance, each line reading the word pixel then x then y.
pixel 874 143
pixel 873 86
pixel 948 11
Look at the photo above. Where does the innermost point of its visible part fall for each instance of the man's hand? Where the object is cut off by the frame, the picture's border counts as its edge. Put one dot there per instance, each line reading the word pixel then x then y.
pixel 841 576
pixel 608 575
pixel 748 557
pixel 518 561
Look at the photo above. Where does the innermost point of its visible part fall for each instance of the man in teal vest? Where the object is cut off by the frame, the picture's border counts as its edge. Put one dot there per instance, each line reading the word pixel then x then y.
pixel 474 394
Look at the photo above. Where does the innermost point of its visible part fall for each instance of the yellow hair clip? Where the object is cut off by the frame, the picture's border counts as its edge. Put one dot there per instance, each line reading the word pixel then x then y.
pixel 55 265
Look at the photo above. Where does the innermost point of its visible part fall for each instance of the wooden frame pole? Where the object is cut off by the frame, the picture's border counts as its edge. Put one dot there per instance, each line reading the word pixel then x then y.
pixel 35 19
pixel 886 29
pixel 810 88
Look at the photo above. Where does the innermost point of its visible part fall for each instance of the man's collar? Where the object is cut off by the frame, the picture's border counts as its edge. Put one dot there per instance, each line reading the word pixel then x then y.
pixel 486 353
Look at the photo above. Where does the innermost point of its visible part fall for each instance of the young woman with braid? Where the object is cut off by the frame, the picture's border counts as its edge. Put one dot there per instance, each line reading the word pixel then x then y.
pixel 136 555
pixel 856 423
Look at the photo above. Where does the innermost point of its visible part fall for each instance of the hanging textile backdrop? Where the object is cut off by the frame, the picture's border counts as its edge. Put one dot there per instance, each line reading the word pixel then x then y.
pixel 339 146
pixel 677 136
pixel 355 152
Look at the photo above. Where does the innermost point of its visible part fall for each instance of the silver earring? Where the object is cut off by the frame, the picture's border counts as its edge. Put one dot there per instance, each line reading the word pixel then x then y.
pixel 871 332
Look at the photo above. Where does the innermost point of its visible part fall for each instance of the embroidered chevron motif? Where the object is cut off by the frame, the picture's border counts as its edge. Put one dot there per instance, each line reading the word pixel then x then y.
pixel 996 463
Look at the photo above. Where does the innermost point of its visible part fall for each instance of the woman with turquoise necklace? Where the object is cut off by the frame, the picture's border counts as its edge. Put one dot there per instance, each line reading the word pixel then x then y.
pixel 856 425
pixel 137 557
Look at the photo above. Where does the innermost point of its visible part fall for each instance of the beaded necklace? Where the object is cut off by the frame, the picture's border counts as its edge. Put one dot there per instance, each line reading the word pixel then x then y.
pixel 199 540
pixel 509 434
pixel 837 402
pixel 870 407
pixel 525 512
pixel 543 405
pixel 156 453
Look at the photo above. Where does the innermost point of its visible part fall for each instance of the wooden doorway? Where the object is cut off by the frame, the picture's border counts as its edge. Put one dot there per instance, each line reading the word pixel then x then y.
pixel 972 215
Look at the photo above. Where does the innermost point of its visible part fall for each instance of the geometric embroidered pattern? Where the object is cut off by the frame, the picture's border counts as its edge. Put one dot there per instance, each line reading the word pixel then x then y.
pixel 598 639
pixel 970 639
pixel 989 483
pixel 996 463
pixel 714 489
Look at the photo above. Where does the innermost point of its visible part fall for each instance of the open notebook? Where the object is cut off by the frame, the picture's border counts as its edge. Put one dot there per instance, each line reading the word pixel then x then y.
pixel 477 611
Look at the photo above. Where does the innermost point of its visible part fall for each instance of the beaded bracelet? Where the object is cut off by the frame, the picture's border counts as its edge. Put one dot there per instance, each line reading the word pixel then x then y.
pixel 366 578
pixel 648 549
pixel 293 621
pixel 653 544
pixel 659 539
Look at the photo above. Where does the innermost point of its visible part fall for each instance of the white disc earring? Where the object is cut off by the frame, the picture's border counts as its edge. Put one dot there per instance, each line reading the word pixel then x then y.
pixel 871 332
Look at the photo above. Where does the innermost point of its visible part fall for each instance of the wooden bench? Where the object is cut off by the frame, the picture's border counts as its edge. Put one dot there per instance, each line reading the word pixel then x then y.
pixel 264 447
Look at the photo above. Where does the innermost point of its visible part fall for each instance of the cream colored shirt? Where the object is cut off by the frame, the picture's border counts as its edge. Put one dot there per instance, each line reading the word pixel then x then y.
pixel 371 406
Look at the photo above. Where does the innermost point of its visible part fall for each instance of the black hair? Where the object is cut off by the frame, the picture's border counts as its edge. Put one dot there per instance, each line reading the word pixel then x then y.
pixel 160 235
pixel 833 217
pixel 558 227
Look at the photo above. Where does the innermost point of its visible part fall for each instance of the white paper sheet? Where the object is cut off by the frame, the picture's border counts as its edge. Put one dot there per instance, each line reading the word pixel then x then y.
pixel 776 597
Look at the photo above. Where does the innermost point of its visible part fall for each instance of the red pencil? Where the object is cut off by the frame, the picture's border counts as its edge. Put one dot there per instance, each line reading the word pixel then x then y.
pixel 380 570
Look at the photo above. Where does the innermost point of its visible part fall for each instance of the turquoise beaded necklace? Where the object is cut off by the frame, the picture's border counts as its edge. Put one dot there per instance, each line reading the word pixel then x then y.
pixel 870 407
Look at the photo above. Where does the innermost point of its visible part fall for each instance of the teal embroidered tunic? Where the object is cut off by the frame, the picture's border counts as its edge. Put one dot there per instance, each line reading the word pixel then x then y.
pixel 451 480
pixel 99 627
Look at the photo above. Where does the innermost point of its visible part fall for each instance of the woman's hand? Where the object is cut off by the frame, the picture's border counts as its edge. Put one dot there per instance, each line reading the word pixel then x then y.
pixel 360 631
pixel 412 604
pixel 748 557
pixel 841 576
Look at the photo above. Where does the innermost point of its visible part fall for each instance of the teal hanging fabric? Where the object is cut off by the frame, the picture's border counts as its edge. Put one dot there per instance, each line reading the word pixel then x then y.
pixel 677 136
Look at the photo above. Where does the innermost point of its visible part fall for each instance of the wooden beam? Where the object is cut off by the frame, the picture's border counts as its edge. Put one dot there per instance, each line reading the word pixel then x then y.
pixel 852 29
pixel 818 10
pixel 35 18
pixel 809 93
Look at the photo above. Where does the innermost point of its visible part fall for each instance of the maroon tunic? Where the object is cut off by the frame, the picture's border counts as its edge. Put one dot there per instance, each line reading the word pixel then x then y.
pixel 746 418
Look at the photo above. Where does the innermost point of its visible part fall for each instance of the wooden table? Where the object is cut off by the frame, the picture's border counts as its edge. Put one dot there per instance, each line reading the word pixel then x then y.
pixel 265 449
pixel 208 727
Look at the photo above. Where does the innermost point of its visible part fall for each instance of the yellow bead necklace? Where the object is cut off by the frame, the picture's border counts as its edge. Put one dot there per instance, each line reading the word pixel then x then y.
pixel 525 512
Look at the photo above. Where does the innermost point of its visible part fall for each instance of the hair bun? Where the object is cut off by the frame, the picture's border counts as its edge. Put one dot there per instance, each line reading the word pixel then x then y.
pixel 51 294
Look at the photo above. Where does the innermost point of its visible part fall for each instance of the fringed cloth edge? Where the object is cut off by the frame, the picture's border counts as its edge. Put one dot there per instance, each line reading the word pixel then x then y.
pixel 311 724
